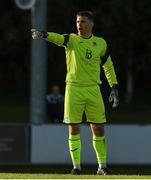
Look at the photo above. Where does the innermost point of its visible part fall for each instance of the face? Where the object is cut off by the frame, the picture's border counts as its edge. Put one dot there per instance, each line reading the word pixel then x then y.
pixel 55 90
pixel 84 25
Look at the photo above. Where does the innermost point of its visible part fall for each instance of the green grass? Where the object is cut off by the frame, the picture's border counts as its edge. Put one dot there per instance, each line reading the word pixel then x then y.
pixel 15 114
pixel 13 110
pixel 66 176
pixel 63 172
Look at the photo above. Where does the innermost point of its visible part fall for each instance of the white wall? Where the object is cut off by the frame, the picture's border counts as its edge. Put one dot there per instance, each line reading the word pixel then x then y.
pixel 127 144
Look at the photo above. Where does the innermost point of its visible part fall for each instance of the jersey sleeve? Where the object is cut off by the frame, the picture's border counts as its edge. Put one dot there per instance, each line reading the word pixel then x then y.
pixel 108 66
pixel 110 72
pixel 58 39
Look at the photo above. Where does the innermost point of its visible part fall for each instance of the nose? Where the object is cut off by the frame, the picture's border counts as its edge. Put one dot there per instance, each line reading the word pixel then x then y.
pixel 79 23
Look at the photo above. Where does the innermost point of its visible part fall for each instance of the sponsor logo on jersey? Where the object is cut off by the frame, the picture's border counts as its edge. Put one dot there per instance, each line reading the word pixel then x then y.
pixel 94 44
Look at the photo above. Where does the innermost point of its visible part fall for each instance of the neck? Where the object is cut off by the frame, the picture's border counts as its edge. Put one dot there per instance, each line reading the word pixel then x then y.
pixel 85 35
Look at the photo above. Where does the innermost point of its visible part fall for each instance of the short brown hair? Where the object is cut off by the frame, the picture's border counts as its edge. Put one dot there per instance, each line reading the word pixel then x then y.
pixel 88 14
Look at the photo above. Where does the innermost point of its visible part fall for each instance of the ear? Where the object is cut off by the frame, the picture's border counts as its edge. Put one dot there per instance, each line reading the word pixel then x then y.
pixel 92 24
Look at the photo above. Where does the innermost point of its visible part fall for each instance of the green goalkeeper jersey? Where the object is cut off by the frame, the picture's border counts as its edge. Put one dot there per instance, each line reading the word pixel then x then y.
pixel 83 59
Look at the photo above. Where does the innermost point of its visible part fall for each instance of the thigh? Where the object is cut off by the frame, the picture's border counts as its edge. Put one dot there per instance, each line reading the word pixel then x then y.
pixel 74 105
pixel 95 110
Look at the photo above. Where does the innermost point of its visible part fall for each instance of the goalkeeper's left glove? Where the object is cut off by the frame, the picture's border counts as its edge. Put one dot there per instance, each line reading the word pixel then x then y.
pixel 114 96
pixel 38 34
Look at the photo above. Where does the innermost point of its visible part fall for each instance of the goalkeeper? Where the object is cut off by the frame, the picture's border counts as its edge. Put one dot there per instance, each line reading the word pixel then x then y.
pixel 84 55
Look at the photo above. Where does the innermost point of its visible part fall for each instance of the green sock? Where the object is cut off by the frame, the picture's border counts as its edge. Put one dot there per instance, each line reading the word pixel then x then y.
pixel 99 145
pixel 75 149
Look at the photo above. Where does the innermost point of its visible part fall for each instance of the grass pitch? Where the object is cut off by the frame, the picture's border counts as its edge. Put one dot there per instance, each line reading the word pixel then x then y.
pixel 67 176
pixel 61 172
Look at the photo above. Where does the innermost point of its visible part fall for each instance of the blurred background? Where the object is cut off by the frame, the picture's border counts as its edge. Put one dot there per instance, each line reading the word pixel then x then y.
pixel 125 25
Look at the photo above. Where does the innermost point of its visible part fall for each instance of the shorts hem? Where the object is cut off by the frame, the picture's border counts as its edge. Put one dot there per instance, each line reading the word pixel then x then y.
pixel 68 123
pixel 90 122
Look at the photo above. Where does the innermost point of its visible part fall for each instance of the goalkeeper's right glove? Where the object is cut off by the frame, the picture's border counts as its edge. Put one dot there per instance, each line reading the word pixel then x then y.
pixel 38 34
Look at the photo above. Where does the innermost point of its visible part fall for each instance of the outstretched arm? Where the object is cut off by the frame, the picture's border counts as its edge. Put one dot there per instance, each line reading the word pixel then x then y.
pixel 58 39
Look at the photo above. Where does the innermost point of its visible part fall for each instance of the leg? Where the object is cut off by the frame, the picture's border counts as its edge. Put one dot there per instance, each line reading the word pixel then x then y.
pixel 73 110
pixel 97 129
pixel 99 144
pixel 74 129
pixel 75 146
pixel 95 112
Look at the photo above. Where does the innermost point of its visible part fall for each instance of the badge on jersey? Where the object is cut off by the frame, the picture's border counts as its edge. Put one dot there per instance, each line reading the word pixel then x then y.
pixel 94 44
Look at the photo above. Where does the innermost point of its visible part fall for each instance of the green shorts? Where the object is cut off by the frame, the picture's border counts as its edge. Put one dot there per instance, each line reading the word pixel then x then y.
pixel 80 99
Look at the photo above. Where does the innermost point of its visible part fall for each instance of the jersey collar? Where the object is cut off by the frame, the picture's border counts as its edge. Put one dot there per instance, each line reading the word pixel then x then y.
pixel 86 38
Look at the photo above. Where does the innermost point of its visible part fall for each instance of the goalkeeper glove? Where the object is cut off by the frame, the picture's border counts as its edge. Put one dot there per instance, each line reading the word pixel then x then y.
pixel 38 34
pixel 114 96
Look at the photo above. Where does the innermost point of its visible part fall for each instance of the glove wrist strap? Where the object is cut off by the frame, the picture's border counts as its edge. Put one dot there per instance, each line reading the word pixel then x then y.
pixel 115 86
pixel 44 34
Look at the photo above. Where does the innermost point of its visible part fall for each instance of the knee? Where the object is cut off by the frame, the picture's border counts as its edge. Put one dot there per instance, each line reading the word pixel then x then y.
pixel 74 129
pixel 97 129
